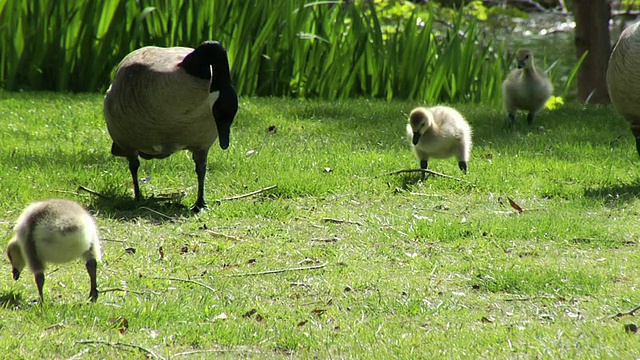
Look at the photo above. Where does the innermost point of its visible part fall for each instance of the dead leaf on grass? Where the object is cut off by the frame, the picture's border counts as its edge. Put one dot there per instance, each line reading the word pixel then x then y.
pixel 120 323
pixel 515 205
pixel 302 323
pixel 487 320
pixel 161 251
pixel 130 250
pixel 222 316
pixel 318 312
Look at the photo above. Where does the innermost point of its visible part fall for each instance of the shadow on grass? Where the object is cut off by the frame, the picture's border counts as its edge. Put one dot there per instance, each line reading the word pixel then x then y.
pixel 615 192
pixel 125 208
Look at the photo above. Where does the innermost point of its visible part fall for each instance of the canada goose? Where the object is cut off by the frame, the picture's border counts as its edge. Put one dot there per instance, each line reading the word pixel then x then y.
pixel 525 88
pixel 439 132
pixel 54 231
pixel 163 100
pixel 623 78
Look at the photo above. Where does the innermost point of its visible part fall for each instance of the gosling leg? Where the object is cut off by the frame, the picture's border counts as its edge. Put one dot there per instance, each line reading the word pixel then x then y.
pixel 134 164
pixel 92 265
pixel 463 166
pixel 200 159
pixel 40 284
pixel 423 165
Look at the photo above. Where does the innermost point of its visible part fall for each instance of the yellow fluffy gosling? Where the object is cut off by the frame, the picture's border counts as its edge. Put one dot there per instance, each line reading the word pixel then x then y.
pixel 525 88
pixel 439 132
pixel 54 231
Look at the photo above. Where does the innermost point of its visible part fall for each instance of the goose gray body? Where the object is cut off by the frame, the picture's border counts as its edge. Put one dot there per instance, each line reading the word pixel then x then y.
pixel 525 88
pixel 623 78
pixel 164 100
pixel 54 231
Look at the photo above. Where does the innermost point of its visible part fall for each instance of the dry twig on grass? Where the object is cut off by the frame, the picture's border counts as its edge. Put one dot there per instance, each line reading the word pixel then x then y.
pixel 339 221
pixel 115 344
pixel 185 280
pixel 234 350
pixel 157 212
pixel 628 313
pixel 314 267
pixel 93 192
pixel 427 171
pixel 131 291
pixel 247 194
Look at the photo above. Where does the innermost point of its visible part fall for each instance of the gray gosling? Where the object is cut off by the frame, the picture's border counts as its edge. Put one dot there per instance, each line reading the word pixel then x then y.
pixel 623 78
pixel 164 100
pixel 54 231
pixel 525 88
pixel 439 132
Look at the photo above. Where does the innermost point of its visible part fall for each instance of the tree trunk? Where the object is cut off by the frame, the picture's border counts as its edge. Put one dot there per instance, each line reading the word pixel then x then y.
pixel 592 35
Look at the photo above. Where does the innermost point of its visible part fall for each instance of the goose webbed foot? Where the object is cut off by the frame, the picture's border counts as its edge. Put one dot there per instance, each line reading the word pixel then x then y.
pixel 198 206
pixel 463 166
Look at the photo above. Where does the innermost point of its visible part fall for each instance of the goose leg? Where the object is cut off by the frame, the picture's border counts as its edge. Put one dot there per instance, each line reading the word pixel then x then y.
pixel 463 166
pixel 200 159
pixel 423 165
pixel 512 118
pixel 91 265
pixel 530 118
pixel 134 164
pixel 40 284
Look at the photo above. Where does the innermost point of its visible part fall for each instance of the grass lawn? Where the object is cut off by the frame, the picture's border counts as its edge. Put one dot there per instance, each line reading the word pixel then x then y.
pixel 413 269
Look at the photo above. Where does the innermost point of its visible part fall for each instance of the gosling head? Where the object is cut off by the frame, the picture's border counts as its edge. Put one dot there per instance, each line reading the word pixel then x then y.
pixel 524 57
pixel 14 253
pixel 420 121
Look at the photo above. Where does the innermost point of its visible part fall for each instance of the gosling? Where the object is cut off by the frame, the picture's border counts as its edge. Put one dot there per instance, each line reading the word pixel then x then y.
pixel 525 88
pixel 54 231
pixel 164 100
pixel 439 132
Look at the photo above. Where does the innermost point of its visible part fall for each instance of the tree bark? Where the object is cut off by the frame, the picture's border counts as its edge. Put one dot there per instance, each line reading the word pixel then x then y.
pixel 592 35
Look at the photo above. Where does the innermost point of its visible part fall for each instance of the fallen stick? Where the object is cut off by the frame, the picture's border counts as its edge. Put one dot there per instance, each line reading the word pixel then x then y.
pixel 193 352
pixel 621 314
pixel 156 212
pixel 339 221
pixel 126 290
pixel 428 172
pixel 314 267
pixel 185 280
pixel 114 344
pixel 247 194
pixel 115 240
pixel 93 192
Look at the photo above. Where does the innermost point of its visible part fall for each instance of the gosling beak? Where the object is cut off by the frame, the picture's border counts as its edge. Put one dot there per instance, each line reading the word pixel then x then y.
pixel 16 274
pixel 520 64
pixel 416 138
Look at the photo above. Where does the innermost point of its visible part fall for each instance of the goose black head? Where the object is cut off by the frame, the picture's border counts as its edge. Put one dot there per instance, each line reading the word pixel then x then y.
pixel 210 61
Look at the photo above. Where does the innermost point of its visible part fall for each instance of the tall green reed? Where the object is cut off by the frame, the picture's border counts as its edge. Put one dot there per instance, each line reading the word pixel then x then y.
pixel 326 49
